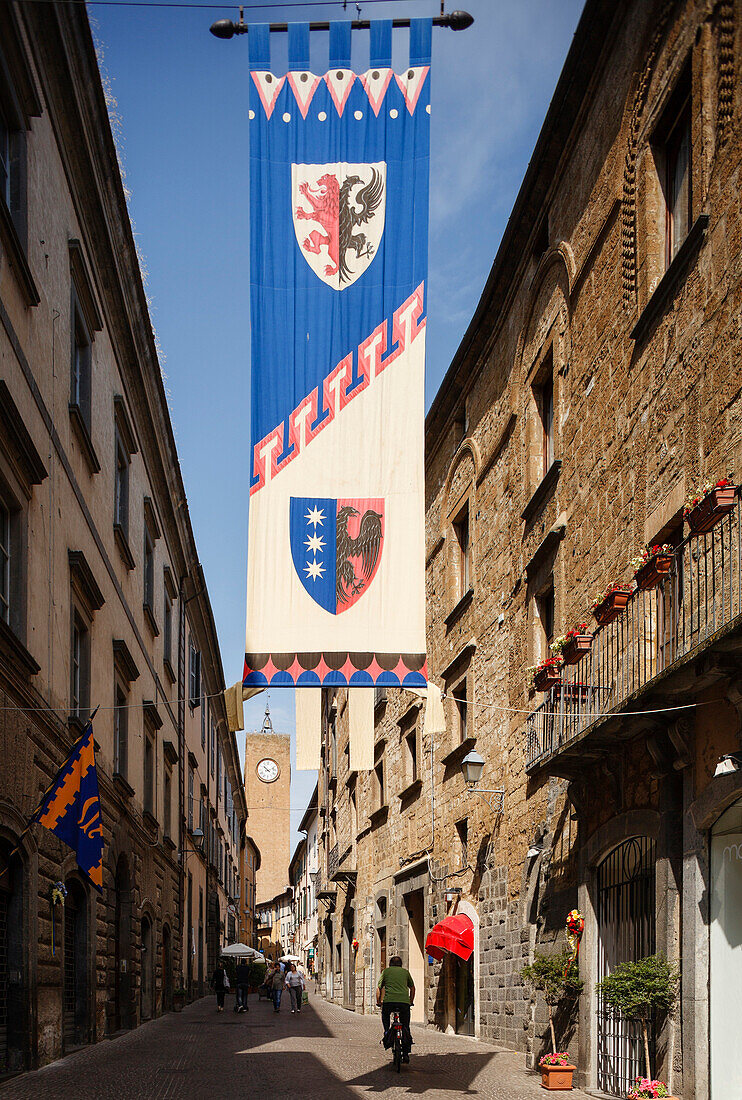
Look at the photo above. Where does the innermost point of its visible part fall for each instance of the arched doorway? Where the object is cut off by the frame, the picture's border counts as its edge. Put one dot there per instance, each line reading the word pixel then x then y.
pixel 167 970
pixel 626 932
pixel 148 969
pixel 122 947
pixel 75 987
pixel 13 1009
pixel 725 979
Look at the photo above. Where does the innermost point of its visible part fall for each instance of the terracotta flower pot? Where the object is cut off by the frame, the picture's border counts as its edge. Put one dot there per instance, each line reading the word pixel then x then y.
pixel 557 1078
pixel 547 678
pixel 653 572
pixel 711 509
pixel 613 605
pixel 576 647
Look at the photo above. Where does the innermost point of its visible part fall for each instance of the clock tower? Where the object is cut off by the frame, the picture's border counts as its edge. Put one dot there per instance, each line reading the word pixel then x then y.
pixel 268 794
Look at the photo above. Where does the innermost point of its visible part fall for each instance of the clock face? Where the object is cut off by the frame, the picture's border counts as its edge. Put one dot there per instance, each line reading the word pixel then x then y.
pixel 268 770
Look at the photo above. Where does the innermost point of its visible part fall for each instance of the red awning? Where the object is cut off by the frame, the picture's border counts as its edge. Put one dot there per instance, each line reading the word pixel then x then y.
pixel 454 934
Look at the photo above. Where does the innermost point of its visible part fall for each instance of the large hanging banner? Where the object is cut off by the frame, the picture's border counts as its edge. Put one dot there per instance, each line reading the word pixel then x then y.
pixel 339 242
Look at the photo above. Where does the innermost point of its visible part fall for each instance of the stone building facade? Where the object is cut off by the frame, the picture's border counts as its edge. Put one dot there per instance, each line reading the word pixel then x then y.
pixel 598 385
pixel 248 905
pixel 102 598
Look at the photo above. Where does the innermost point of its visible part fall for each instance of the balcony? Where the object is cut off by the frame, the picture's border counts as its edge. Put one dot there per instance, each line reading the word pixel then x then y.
pixel 332 862
pixel 670 643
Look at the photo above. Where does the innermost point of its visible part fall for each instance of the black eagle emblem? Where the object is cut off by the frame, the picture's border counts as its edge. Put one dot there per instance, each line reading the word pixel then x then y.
pixel 365 548
pixel 369 199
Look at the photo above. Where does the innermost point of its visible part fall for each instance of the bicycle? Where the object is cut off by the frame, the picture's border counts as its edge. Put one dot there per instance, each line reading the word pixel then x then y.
pixel 397 1044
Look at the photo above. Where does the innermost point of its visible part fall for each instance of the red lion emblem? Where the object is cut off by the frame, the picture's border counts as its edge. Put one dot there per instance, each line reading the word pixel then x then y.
pixel 325 203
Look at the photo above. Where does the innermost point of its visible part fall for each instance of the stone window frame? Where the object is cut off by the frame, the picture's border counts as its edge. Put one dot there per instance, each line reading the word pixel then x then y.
pixel 19 103
pixel 459 671
pixel 658 275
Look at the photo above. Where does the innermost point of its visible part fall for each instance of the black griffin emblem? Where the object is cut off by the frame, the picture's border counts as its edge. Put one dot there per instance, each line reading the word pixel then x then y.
pixel 369 199
pixel 366 547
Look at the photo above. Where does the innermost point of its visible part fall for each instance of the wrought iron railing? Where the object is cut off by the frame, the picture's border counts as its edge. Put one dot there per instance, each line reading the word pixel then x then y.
pixel 332 862
pixel 700 596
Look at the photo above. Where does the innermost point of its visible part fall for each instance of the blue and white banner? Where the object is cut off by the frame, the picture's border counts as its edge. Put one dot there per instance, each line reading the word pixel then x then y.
pixel 339 244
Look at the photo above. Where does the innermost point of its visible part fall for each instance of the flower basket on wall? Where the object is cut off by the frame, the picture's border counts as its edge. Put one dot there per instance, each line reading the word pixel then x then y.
pixel 709 505
pixel 612 604
pixel 548 676
pixel 652 566
pixel 577 643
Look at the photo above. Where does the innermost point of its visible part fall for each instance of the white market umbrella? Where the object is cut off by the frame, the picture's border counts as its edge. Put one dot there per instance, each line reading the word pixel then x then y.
pixel 241 951
pixel 289 959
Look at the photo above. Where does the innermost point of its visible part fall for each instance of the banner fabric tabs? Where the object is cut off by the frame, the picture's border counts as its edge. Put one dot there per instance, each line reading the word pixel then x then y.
pixel 308 729
pixel 361 729
pixel 339 166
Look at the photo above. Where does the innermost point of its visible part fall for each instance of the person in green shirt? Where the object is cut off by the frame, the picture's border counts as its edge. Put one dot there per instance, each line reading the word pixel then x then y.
pixel 396 993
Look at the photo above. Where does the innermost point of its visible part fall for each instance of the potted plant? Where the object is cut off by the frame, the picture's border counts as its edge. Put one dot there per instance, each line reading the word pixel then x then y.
pixel 179 999
pixel 636 990
pixel 612 603
pixel 644 1089
pixel 573 645
pixel 652 565
pixel 709 503
pixel 547 673
pixel 557 980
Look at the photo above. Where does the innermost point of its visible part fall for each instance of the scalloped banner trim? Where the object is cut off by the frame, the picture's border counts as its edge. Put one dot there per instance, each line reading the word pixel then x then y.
pixel 375 83
pixel 335 670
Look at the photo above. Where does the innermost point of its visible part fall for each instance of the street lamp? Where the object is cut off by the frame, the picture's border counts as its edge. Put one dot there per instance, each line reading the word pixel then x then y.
pixel 472 767
pixel 732 762
pixel 197 837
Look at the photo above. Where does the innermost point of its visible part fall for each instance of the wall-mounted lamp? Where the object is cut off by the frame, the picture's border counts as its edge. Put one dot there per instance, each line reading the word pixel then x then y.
pixel 732 762
pixel 471 768
pixel 534 850
pixel 197 838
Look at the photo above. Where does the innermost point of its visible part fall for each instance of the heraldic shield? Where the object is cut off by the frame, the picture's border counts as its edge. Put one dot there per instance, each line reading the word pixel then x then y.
pixel 336 547
pixel 338 212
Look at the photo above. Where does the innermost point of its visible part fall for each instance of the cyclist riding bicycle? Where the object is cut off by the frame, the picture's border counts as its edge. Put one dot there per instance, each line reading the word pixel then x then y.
pixel 396 993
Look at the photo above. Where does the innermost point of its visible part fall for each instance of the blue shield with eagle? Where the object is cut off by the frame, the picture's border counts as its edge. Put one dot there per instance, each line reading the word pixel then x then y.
pixel 336 547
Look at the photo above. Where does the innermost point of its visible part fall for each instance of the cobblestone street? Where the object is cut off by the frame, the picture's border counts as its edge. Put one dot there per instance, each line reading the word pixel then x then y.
pixel 325 1052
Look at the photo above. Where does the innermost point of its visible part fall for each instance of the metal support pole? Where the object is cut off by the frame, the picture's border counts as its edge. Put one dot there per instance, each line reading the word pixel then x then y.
pixel 455 21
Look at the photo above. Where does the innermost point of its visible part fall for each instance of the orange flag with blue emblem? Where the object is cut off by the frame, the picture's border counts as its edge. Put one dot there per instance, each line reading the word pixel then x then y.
pixel 71 807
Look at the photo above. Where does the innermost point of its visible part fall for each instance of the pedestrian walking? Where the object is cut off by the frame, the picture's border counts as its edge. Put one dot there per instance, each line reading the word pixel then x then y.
pixel 220 985
pixel 295 985
pixel 277 987
pixel 242 976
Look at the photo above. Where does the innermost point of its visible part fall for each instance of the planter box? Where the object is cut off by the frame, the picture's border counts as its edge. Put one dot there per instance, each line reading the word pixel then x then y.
pixel 547 678
pixel 576 648
pixel 653 572
pixel 576 693
pixel 714 506
pixel 613 605
pixel 557 1078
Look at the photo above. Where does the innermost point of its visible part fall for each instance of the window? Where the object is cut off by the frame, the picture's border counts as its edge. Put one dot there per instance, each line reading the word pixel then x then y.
pixel 204 721
pixel 79 668
pixel 194 677
pixel 149 772
pixel 219 774
pixel 167 626
pixel 5 562
pixel 149 569
pixel 545 605
pixel 544 394
pixel 120 731
pixel 411 742
pixel 462 831
pixel 677 186
pixel 461 710
pixel 167 811
pixel 81 364
pixel 462 551
pixel 121 492
pixel 12 159
pixel 379 781
pixel 213 747
pixel 190 800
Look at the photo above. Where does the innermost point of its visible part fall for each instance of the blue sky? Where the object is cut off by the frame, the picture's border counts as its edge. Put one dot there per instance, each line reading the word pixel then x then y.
pixel 181 105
